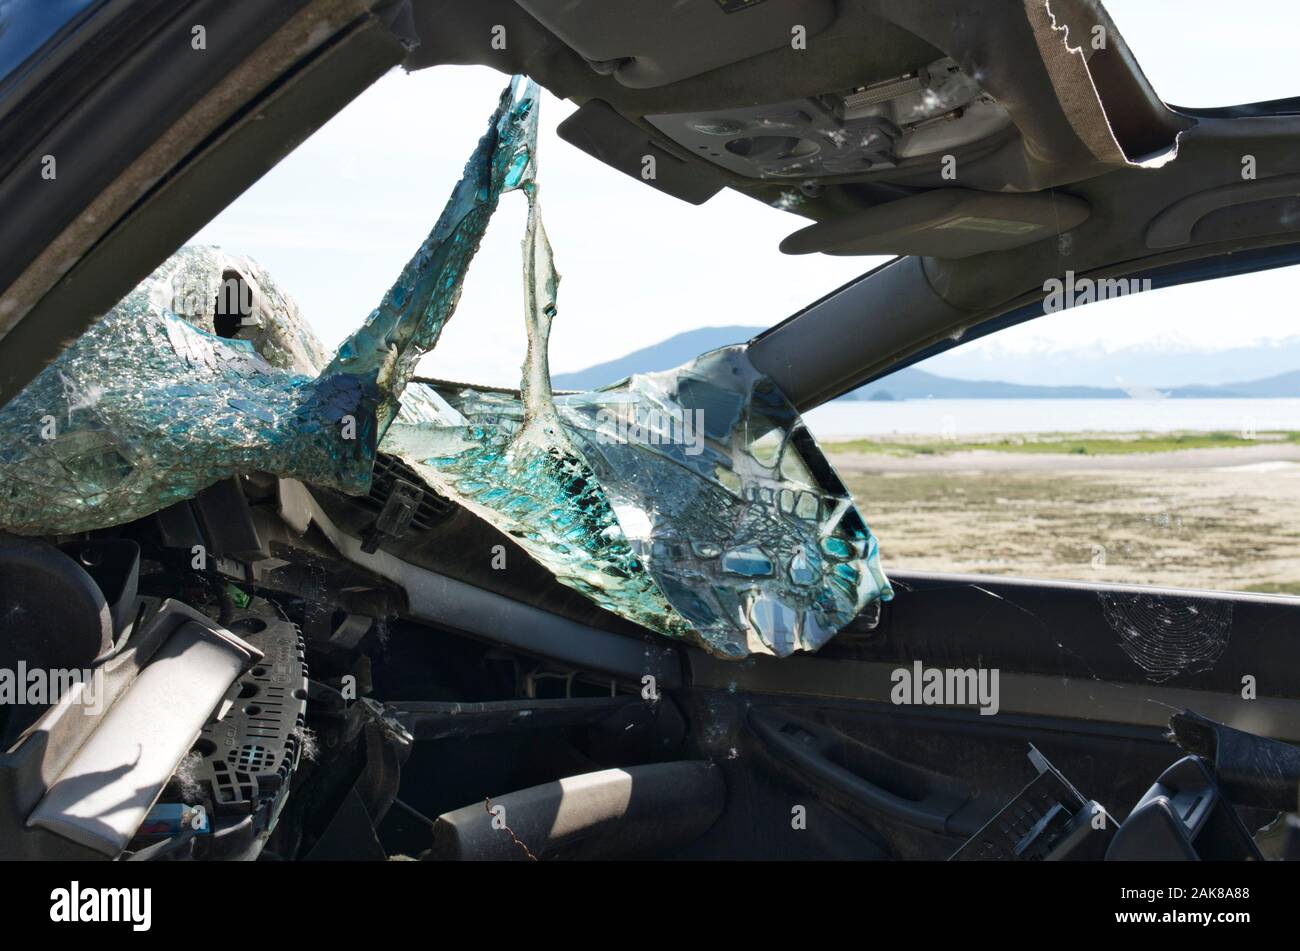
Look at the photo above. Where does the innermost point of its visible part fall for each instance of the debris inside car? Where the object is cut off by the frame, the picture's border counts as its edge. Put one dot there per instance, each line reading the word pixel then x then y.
pixel 263 601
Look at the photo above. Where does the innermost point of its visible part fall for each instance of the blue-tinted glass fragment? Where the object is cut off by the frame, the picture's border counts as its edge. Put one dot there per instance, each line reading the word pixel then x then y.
pixel 691 501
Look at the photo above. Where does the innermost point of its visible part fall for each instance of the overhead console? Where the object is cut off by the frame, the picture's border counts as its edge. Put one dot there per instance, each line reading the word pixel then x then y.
pixel 936 108
pixel 861 114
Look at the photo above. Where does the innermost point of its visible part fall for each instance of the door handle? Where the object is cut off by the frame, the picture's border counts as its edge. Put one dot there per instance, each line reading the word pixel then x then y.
pixel 810 748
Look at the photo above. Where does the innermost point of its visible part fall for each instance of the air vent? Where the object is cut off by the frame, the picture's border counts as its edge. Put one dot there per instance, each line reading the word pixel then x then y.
pixel 433 508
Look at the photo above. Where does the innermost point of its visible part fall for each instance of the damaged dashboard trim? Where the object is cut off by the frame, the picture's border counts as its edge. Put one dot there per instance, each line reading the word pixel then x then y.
pixel 442 600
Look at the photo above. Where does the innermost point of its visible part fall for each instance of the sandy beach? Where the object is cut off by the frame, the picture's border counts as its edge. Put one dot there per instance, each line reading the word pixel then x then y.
pixel 1208 518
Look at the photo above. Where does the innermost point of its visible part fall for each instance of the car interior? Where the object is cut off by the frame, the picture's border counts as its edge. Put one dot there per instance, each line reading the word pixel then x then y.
pixel 342 675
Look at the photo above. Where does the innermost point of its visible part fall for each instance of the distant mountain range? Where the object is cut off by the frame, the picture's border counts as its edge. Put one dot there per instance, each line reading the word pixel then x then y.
pixel 911 383
pixel 1162 363
pixel 664 355
pixel 914 384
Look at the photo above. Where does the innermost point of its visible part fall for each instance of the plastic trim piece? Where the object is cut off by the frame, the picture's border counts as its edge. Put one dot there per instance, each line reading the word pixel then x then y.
pixel 435 598
pixel 889 318
pixel 818 354
pixel 1112 701
pixel 1173 226
pixel 614 813
pixel 104 793
pixel 946 223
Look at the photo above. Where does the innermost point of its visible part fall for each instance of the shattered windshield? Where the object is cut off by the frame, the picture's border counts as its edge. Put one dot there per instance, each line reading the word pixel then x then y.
pixel 693 501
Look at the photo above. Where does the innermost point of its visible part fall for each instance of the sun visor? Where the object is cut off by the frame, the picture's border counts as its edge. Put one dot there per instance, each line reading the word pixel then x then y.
pixel 946 223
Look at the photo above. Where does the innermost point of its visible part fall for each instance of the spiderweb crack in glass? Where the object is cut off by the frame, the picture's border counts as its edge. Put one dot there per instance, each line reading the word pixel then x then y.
pixel 1166 635
pixel 693 501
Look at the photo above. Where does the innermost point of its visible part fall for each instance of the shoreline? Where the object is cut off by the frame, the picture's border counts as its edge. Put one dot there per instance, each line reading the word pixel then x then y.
pixel 1212 518
pixel 1273 456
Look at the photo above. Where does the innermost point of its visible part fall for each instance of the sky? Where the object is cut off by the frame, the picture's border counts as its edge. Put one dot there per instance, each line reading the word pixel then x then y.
pixel 337 219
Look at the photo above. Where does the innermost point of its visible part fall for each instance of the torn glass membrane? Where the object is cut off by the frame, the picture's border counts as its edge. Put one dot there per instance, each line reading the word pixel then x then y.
pixel 153 403
pixel 693 501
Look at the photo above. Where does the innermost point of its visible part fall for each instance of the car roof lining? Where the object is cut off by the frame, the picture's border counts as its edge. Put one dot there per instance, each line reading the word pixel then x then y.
pixel 1019 55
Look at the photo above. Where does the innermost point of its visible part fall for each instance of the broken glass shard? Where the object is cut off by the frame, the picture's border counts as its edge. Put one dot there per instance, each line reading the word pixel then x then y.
pixel 151 405
pixel 693 501
pixel 663 539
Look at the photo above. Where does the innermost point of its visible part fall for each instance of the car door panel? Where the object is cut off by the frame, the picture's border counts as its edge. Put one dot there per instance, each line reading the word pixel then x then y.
pixel 922 778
